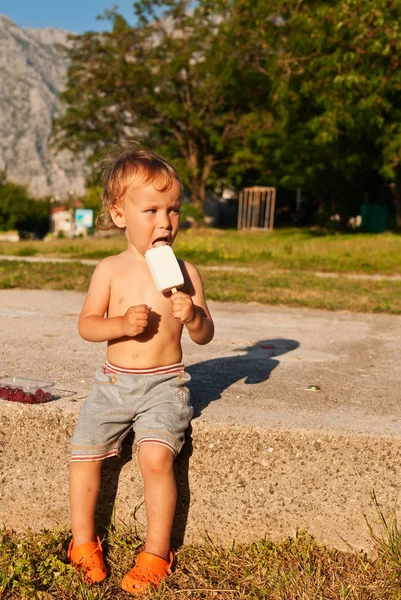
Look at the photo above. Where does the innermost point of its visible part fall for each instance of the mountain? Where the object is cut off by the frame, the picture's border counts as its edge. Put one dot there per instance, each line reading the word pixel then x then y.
pixel 33 71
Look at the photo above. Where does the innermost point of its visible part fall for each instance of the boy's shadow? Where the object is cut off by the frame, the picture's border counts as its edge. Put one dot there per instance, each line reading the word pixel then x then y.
pixel 209 380
pixel 212 377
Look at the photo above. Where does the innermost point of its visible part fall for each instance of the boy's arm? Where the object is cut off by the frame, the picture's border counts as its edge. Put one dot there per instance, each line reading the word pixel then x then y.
pixel 92 324
pixel 192 309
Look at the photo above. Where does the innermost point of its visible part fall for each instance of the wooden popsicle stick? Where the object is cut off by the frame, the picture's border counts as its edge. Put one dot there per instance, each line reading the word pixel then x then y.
pixel 173 290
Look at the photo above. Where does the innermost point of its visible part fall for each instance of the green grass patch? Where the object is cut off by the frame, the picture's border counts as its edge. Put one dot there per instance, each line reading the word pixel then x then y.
pixel 299 249
pixel 254 284
pixel 35 566
pixel 28 251
pixel 45 276
pixel 281 267
pixel 300 289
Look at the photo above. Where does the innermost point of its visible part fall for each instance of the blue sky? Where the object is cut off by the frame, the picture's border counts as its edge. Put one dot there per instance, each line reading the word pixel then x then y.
pixel 72 15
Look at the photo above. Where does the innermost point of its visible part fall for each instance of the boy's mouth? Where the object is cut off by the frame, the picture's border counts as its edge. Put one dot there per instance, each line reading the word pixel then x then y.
pixel 161 241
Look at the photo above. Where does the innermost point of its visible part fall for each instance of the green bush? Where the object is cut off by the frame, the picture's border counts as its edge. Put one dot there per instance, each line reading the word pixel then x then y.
pixel 19 211
pixel 190 211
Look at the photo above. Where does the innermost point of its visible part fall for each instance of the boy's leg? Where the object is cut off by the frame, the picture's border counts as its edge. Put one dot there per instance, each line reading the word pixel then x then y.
pixel 156 464
pixel 85 551
pixel 153 564
pixel 84 490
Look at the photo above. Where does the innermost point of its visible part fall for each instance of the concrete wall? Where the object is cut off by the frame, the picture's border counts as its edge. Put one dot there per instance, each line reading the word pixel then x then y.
pixel 236 483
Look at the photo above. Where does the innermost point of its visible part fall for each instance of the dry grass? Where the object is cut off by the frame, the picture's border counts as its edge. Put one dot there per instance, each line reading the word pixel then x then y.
pixel 36 567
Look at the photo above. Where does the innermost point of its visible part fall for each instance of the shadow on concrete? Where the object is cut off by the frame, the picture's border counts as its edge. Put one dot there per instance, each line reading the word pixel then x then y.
pixel 212 377
pixel 209 380
pixel 181 471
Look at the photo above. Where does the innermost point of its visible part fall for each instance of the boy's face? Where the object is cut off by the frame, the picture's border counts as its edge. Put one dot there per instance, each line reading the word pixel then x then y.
pixel 149 215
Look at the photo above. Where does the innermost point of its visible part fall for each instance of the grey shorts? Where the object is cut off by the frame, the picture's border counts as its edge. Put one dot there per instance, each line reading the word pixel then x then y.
pixel 155 403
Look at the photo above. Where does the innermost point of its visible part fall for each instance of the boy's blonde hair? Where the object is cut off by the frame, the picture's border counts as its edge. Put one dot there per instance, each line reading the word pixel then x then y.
pixel 121 167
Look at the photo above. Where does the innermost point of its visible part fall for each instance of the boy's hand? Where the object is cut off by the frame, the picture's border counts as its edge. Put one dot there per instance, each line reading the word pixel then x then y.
pixel 135 320
pixel 183 308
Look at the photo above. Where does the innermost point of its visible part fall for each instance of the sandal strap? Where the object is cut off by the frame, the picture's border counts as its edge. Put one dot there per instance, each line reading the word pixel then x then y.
pixel 89 557
pixel 84 551
pixel 149 569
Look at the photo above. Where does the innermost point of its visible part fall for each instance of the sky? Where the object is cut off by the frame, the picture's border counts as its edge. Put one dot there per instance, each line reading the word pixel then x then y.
pixel 75 16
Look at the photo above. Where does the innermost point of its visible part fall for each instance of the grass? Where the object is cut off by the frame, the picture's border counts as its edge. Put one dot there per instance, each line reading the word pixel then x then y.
pixel 46 276
pixel 35 566
pixel 303 289
pixel 299 249
pixel 287 266
pixel 289 288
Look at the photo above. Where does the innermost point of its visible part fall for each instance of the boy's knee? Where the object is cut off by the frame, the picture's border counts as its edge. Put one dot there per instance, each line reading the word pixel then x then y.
pixel 155 458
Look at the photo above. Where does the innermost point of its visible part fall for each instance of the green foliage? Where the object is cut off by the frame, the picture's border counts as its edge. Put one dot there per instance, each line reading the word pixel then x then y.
pixel 264 92
pixel 30 567
pixel 92 200
pixel 335 101
pixel 169 81
pixel 189 212
pixel 14 203
pixel 19 211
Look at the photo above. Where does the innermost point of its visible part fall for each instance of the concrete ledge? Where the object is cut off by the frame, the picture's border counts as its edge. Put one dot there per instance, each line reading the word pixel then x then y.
pixel 237 483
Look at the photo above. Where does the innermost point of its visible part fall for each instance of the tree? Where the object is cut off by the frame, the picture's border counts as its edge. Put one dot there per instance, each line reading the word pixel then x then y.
pixel 288 93
pixel 168 81
pixel 336 99
pixel 14 201
pixel 19 211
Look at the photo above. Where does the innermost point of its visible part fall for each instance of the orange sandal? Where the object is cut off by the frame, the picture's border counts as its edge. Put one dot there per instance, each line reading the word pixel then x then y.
pixel 89 558
pixel 149 570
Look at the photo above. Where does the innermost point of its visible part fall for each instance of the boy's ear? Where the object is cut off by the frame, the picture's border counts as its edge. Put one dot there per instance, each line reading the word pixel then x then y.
pixel 117 214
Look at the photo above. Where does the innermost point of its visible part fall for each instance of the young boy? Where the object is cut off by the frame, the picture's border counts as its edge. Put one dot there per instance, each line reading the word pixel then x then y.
pixel 142 383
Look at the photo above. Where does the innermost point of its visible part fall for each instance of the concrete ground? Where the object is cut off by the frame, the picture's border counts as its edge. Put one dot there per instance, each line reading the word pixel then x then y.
pixel 267 456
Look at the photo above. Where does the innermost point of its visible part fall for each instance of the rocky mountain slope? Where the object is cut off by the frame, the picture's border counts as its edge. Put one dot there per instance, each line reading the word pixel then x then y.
pixel 32 75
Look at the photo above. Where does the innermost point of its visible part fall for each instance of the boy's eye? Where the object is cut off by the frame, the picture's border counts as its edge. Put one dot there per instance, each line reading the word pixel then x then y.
pixel 151 210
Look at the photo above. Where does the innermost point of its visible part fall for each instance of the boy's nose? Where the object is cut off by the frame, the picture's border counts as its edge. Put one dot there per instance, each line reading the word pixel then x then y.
pixel 165 221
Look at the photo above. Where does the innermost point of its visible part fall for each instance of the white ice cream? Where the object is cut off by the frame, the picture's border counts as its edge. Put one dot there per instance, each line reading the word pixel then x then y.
pixel 164 268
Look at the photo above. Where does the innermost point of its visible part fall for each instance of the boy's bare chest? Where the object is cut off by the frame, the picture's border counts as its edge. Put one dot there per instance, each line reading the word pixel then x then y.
pixel 133 289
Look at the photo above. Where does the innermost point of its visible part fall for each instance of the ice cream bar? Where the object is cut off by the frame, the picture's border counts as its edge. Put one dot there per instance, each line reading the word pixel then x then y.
pixel 164 268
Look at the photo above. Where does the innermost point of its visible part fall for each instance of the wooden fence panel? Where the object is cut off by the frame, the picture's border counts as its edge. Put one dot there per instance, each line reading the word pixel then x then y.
pixel 256 208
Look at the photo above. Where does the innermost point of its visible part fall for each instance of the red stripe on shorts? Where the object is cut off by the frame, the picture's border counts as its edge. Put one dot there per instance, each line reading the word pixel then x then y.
pixel 108 367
